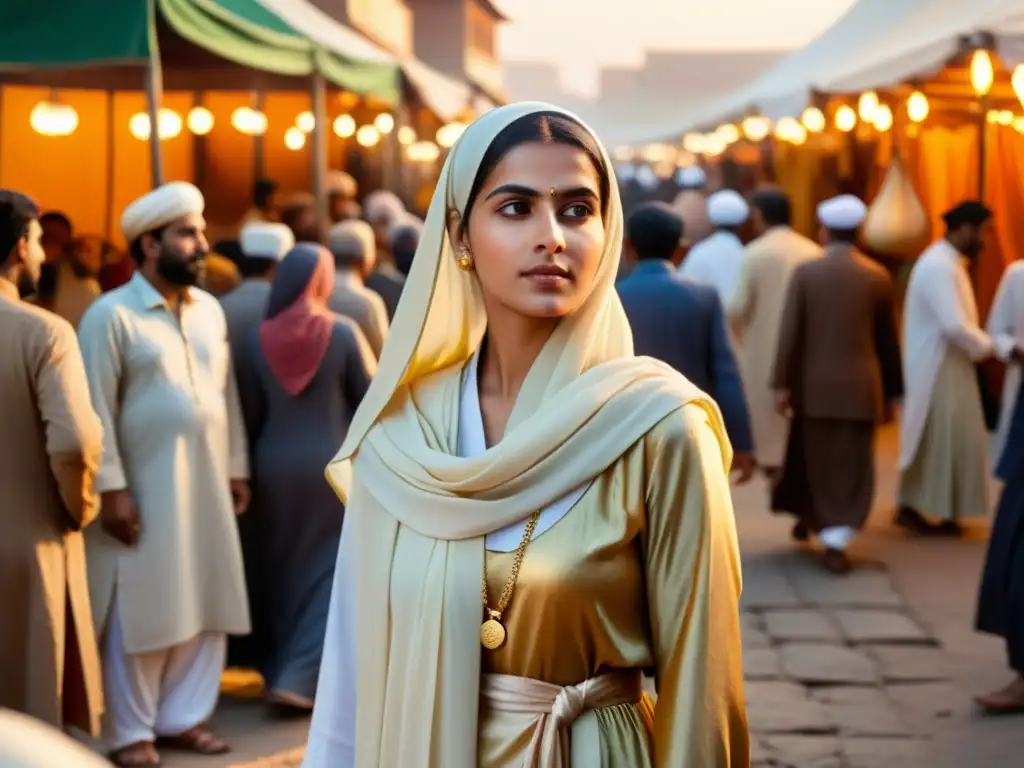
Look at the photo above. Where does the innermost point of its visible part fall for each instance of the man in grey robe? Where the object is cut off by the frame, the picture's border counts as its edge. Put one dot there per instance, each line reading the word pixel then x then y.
pixel 383 210
pixel 352 245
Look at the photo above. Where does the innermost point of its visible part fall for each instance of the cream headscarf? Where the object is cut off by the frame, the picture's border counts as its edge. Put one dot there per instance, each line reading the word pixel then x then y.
pixel 420 513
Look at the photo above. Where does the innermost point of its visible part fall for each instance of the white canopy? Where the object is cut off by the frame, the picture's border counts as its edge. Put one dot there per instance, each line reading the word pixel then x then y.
pixel 445 97
pixel 925 41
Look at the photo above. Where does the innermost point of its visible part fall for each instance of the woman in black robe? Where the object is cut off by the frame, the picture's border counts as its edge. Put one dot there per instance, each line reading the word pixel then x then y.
pixel 1001 597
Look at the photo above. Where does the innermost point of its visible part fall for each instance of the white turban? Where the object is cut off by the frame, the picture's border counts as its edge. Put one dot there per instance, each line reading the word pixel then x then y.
pixel 353 240
pixel 382 207
pixel 159 208
pixel 843 212
pixel 266 240
pixel 691 177
pixel 727 208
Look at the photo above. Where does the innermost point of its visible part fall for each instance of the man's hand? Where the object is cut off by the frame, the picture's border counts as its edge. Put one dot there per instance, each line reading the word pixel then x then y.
pixel 241 495
pixel 743 464
pixel 782 403
pixel 120 518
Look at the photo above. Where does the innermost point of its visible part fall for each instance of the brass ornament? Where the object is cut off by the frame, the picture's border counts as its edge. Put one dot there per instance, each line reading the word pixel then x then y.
pixel 492 631
pixel 492 634
pixel 465 261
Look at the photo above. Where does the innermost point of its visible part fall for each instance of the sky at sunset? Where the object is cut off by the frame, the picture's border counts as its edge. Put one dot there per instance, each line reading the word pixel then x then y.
pixel 582 35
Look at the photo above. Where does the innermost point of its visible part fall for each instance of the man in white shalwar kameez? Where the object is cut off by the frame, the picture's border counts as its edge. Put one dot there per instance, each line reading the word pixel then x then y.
pixel 165 567
pixel 1006 326
pixel 756 316
pixel 943 439
pixel 716 260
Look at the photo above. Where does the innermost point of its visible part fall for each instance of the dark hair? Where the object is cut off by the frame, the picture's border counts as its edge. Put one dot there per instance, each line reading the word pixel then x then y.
pixel 262 191
pixel 842 235
pixel 654 229
pixel 403 246
pixel 540 128
pixel 774 206
pixel 56 217
pixel 16 211
pixel 135 247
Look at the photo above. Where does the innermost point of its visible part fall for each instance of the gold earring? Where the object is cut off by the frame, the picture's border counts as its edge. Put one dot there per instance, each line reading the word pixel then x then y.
pixel 465 261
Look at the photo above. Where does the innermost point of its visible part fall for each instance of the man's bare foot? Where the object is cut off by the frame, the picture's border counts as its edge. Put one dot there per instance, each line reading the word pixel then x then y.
pixel 200 740
pixel 142 754
pixel 1005 701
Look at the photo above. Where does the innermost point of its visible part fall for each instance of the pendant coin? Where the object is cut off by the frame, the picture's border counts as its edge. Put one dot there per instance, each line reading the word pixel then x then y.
pixel 492 634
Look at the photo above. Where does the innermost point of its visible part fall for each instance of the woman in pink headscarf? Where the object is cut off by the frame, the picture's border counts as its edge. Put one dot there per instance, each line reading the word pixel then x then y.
pixel 301 376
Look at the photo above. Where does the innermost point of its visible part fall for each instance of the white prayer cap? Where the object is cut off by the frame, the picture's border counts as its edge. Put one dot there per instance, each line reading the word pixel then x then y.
pixel 266 240
pixel 353 241
pixel 382 207
pixel 727 208
pixel 159 208
pixel 691 177
pixel 843 212
pixel 341 183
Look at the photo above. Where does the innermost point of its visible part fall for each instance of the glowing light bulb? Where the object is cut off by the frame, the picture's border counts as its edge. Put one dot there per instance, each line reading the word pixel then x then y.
pixel 917 107
pixel 983 74
pixel 249 121
pixel 728 133
pixel 385 123
pixel 406 136
pixel 367 136
pixel 846 118
pixel 423 152
pixel 295 138
pixel 883 118
pixel 447 135
pixel 344 126
pixel 867 105
pixel 200 121
pixel 756 127
pixel 813 120
pixel 53 118
pixel 305 122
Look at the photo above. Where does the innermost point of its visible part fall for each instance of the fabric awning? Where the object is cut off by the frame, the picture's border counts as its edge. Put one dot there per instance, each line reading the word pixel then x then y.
pixel 445 97
pixel 243 32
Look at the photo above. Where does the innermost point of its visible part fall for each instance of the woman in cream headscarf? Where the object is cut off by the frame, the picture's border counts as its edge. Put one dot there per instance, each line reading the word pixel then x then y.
pixel 546 437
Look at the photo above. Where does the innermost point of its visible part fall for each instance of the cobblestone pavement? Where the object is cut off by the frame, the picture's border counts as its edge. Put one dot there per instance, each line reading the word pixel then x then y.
pixel 872 670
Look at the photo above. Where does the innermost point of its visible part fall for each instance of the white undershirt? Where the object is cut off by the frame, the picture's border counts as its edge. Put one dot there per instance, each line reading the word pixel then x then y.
pixel 473 442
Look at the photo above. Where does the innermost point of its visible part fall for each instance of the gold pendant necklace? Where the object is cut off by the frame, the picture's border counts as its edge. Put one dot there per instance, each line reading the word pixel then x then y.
pixel 492 631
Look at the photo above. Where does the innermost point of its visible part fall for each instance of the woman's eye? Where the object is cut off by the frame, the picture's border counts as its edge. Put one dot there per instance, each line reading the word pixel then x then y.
pixel 515 208
pixel 578 211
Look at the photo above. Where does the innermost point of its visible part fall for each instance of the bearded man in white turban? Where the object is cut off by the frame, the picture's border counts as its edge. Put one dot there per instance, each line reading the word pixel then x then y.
pixel 165 566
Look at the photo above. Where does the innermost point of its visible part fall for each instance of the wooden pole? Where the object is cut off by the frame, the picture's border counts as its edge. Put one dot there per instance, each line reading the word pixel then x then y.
pixel 318 153
pixel 108 228
pixel 259 143
pixel 154 97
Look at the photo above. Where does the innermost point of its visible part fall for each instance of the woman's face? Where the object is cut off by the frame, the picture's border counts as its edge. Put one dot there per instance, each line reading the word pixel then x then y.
pixel 535 231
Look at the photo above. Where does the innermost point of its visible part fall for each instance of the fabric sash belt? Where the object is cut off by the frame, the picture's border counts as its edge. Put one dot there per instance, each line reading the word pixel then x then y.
pixel 558 708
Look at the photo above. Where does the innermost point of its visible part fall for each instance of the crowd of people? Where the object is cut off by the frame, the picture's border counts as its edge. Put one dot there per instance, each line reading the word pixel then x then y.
pixel 531 425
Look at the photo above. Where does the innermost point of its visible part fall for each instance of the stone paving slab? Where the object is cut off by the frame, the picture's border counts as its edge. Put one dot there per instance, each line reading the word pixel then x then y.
pixel 761 664
pixel 805 751
pixel 901 664
pixel 881 627
pixel 765 585
pixel 821 664
pixel 752 631
pixel 864 587
pixel 863 712
pixel 934 701
pixel 803 625
pixel 888 753
pixel 783 707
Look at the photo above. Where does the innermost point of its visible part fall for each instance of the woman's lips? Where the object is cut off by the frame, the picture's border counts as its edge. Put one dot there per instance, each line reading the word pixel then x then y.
pixel 548 274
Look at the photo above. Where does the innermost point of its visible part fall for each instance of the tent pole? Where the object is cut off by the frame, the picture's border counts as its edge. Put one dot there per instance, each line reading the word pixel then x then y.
pixel 154 96
pixel 318 155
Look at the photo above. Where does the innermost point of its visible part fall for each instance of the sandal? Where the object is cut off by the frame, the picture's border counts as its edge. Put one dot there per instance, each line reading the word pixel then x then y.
pixel 198 740
pixel 141 754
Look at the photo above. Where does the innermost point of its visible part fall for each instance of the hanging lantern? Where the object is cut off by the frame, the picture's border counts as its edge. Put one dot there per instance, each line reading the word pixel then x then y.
pixel 249 121
pixel 983 74
pixel 756 127
pixel 406 136
pixel 917 107
pixel 728 133
pixel 384 123
pixel 789 129
pixel 53 118
pixel 168 125
pixel 199 121
pixel 344 126
pixel 305 122
pixel 883 118
pixel 845 118
pixel 867 105
pixel 423 152
pixel 367 136
pixel 694 142
pixel 813 120
pixel 448 134
pixel 295 138
pixel 1017 81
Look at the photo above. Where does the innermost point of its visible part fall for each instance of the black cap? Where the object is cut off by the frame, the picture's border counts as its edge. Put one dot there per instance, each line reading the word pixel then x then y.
pixel 972 212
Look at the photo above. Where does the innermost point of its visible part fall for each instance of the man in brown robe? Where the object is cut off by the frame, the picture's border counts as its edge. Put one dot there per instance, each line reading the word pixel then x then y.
pixel 838 372
pixel 50 449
